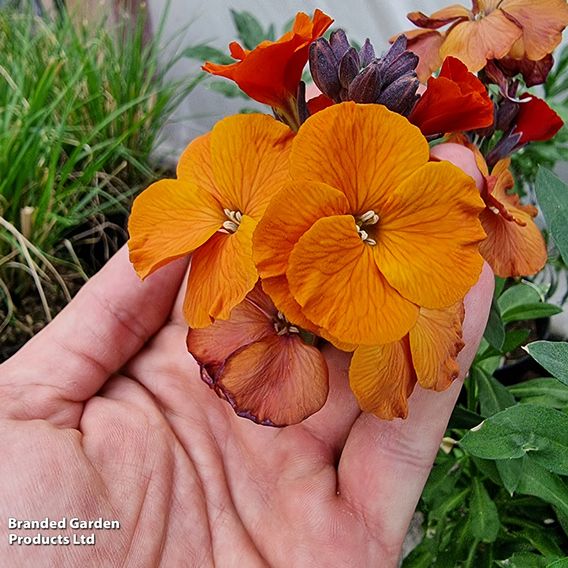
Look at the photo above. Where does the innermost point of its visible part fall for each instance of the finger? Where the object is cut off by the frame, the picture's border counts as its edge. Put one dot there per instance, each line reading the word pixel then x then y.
pixel 385 464
pixel 109 320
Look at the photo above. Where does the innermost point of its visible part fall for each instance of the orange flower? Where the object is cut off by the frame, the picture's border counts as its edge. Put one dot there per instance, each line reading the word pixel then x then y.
pixel 225 180
pixel 514 246
pixel 382 377
pixel 455 101
pixel 272 71
pixel 493 29
pixel 370 243
pixel 259 363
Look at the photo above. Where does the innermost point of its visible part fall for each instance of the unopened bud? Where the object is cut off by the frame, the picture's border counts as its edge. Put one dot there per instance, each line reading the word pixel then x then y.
pixel 366 88
pixel 339 43
pixel 400 96
pixel 348 67
pixel 324 68
pixel 366 53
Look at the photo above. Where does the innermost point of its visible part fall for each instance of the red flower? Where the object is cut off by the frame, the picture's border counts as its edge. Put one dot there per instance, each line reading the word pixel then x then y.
pixel 272 71
pixel 453 102
pixel 536 121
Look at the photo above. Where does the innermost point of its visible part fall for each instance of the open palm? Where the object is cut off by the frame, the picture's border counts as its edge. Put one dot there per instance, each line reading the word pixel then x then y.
pixel 103 414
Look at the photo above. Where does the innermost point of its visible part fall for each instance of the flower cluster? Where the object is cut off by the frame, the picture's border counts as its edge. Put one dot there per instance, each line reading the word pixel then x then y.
pixel 335 221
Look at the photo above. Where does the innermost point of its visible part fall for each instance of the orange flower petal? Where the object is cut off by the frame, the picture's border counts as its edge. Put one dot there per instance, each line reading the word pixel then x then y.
pixel 170 219
pixel 435 342
pixel 333 276
pixel 542 25
pixel 250 161
pixel 512 248
pixel 365 151
pixel 440 18
pixel 475 42
pixel 278 381
pixel 250 321
pixel 382 379
pixel 426 44
pixel 428 239
pixel 195 166
pixel 222 273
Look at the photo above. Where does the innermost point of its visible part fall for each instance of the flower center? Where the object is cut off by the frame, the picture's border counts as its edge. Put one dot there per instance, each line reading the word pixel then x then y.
pixel 283 326
pixel 233 221
pixel 365 222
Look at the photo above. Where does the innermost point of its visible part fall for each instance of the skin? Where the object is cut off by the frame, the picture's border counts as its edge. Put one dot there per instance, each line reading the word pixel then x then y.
pixel 103 414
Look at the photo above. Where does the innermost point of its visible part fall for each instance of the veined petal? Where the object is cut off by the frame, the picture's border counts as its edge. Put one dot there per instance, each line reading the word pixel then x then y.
pixel 250 321
pixel 440 18
pixel 194 165
pixel 222 273
pixel 426 44
pixel 170 219
pixel 475 42
pixel 382 378
pixel 542 24
pixel 278 380
pixel 365 151
pixel 250 161
pixel 435 342
pixel 428 236
pixel 333 276
pixel 285 222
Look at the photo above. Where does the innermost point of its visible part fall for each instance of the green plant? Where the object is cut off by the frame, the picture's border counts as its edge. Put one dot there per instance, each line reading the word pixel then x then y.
pixel 81 108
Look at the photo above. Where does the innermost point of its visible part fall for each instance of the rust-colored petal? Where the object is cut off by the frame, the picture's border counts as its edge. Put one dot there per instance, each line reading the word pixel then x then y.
pixel 440 18
pixel 278 380
pixel 428 236
pixel 333 276
pixel 490 37
pixel 222 273
pixel 250 321
pixel 170 219
pixel 542 24
pixel 365 151
pixel 250 161
pixel 536 121
pixel 382 378
pixel 435 342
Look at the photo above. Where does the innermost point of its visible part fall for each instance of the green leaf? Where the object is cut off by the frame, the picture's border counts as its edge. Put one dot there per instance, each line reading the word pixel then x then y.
pixel 463 418
pixel 553 356
pixel 552 195
pixel 538 482
pixel 561 563
pixel 204 52
pixel 484 518
pixel 499 285
pixel 493 396
pixel 523 429
pixel 441 482
pixel 544 392
pixel 531 311
pixel 543 542
pixel 248 28
pixel 495 330
pixel 514 339
pixel 517 296
pixel 523 560
pixel 510 472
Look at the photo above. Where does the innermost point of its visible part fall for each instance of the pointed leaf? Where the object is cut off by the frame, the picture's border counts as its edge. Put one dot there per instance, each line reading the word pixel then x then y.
pixel 484 518
pixel 553 356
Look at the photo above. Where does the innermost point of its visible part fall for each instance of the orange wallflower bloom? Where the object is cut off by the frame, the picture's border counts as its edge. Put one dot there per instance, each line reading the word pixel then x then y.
pixel 494 29
pixel 514 246
pixel 272 71
pixel 260 364
pixel 370 243
pixel 382 377
pixel 454 101
pixel 225 180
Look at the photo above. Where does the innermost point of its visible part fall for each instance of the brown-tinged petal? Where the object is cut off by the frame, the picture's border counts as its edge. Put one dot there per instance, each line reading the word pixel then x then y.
pixel 426 45
pixel 278 380
pixel 222 273
pixel 382 378
pixel 440 18
pixel 435 342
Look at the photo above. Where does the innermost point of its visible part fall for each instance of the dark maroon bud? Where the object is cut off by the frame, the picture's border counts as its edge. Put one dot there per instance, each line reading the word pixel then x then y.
pixel 324 68
pixel 366 88
pixel 339 43
pixel 506 114
pixel 533 72
pixel 348 67
pixel 303 112
pixel 400 96
pixel 503 148
pixel 396 50
pixel 404 64
pixel 366 53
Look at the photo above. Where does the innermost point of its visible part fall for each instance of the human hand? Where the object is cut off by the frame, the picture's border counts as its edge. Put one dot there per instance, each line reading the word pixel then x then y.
pixel 103 414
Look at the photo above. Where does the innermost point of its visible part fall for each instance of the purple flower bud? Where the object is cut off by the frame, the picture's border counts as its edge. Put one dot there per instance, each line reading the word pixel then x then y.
pixel 506 114
pixel 366 88
pixel 348 67
pixel 339 43
pixel 400 96
pixel 367 53
pixel 324 68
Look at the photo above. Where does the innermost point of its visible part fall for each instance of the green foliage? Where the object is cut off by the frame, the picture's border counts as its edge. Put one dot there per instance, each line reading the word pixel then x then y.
pixel 81 108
